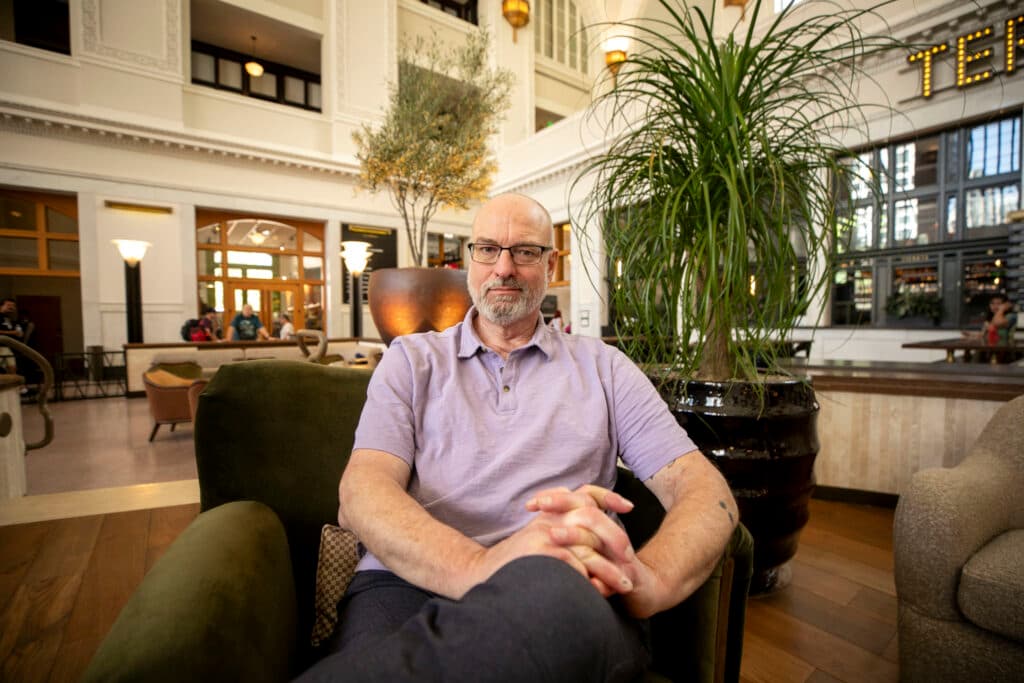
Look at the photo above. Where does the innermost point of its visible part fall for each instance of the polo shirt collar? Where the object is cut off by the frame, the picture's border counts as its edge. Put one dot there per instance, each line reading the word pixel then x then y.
pixel 470 344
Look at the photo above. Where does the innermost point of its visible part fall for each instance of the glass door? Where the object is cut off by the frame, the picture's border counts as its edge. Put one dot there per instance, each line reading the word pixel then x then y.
pixel 268 300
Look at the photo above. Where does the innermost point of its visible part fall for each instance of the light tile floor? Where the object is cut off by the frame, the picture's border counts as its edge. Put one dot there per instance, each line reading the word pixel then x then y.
pixel 100 461
pixel 102 443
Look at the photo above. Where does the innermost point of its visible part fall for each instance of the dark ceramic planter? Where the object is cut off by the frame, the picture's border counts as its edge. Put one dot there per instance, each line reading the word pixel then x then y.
pixel 766 454
pixel 408 300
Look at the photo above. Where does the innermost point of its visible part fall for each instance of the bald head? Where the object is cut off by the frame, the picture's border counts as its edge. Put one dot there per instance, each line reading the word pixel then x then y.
pixel 514 213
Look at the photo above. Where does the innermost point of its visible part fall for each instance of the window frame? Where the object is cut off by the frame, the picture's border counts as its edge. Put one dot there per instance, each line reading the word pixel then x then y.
pixel 953 249
pixel 66 205
pixel 279 71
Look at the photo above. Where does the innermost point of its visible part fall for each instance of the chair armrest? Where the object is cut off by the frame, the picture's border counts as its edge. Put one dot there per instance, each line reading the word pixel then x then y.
pixel 218 606
pixel 704 634
pixel 941 520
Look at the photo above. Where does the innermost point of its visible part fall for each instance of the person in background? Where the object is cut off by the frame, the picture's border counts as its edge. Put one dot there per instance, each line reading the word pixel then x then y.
pixel 556 321
pixel 1000 321
pixel 209 325
pixel 287 329
pixel 246 326
pixel 11 327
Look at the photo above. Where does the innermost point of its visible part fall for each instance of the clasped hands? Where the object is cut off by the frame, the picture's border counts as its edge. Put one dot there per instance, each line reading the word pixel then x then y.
pixel 574 526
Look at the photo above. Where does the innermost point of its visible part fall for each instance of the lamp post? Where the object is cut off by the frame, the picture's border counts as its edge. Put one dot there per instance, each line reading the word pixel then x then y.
pixel 132 251
pixel 356 254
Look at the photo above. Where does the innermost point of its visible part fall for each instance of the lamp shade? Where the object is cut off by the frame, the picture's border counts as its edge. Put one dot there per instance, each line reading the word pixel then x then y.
pixel 132 251
pixel 356 255
pixel 615 50
pixel 614 59
pixel 516 13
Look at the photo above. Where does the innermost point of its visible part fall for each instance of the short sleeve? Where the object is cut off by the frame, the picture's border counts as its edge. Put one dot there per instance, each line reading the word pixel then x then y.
pixel 388 421
pixel 649 437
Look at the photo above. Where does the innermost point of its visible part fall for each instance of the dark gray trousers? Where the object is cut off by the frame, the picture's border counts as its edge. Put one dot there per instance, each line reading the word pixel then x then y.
pixel 535 620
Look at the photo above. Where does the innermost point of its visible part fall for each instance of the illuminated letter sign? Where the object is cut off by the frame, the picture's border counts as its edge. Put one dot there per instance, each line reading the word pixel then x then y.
pixel 926 67
pixel 968 73
pixel 1012 43
pixel 963 58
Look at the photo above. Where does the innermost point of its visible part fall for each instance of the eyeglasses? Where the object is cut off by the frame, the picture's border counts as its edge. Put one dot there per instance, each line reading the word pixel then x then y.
pixel 522 254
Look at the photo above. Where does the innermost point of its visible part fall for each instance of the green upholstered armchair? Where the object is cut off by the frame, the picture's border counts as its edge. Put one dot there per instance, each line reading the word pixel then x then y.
pixel 233 598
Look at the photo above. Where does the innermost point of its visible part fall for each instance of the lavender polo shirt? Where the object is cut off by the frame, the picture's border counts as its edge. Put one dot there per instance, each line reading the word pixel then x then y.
pixel 483 434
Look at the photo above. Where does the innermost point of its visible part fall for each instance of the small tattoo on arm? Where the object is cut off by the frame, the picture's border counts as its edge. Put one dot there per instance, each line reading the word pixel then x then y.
pixel 725 507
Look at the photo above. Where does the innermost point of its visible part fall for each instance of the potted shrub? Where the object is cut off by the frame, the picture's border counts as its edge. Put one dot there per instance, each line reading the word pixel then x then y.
pixel 715 203
pixel 908 305
pixel 431 151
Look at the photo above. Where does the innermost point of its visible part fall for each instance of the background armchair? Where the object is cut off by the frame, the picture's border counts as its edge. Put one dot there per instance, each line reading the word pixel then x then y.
pixel 958 548
pixel 233 598
pixel 167 392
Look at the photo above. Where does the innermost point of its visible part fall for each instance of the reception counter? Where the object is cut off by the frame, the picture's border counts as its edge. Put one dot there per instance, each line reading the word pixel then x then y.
pixel 881 422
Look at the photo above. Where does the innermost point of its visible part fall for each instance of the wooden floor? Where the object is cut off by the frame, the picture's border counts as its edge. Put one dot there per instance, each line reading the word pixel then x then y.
pixel 62 584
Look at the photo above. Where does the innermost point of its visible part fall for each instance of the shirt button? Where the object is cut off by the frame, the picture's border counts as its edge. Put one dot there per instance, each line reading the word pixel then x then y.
pixel 505 389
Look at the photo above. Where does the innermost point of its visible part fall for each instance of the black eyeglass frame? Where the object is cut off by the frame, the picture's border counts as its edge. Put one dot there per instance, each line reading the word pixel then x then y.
pixel 473 254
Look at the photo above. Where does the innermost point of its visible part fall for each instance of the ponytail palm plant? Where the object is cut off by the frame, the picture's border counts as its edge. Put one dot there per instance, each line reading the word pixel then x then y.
pixel 715 198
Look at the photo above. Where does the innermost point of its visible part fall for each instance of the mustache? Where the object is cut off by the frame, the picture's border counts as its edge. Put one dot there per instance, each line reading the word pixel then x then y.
pixel 502 282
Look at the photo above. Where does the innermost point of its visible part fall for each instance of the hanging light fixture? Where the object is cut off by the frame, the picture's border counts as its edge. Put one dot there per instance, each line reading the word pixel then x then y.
pixel 517 13
pixel 252 67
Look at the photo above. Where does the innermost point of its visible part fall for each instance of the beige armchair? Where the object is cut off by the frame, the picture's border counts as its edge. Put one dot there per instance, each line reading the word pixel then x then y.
pixel 958 546
pixel 167 391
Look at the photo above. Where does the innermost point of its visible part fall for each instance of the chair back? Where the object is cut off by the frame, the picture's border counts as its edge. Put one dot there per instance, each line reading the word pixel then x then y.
pixel 280 432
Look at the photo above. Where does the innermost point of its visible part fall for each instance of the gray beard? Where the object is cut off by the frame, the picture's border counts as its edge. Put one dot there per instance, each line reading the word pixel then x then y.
pixel 506 311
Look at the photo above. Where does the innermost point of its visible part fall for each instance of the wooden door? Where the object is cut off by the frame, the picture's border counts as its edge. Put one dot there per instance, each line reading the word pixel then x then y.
pixel 266 299
pixel 48 334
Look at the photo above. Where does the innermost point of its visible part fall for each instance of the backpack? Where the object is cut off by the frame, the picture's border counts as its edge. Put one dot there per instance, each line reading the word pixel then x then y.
pixel 191 331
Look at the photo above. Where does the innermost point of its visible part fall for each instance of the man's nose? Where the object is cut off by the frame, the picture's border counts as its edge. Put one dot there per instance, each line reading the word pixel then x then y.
pixel 504 264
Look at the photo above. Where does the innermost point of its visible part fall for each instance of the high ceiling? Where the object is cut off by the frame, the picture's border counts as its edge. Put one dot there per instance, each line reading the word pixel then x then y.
pixel 232 27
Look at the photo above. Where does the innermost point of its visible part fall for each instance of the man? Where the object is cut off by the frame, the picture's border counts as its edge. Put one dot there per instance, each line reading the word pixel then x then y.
pixel 11 327
pixel 493 552
pixel 246 326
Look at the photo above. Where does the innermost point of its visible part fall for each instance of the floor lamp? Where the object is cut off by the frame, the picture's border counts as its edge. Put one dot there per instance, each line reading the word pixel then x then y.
pixel 132 252
pixel 356 254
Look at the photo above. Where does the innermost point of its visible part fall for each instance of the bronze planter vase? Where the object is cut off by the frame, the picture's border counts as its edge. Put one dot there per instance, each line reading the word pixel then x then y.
pixel 766 454
pixel 408 300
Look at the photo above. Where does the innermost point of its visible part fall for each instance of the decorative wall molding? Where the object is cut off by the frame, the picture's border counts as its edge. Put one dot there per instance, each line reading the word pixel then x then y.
pixel 169 62
pixel 26 120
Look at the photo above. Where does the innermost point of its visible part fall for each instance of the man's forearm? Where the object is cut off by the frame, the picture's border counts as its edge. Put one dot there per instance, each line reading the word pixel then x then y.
pixel 700 518
pixel 404 536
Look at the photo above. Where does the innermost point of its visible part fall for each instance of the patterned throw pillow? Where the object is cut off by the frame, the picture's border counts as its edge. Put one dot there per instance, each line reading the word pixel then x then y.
pixel 339 554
